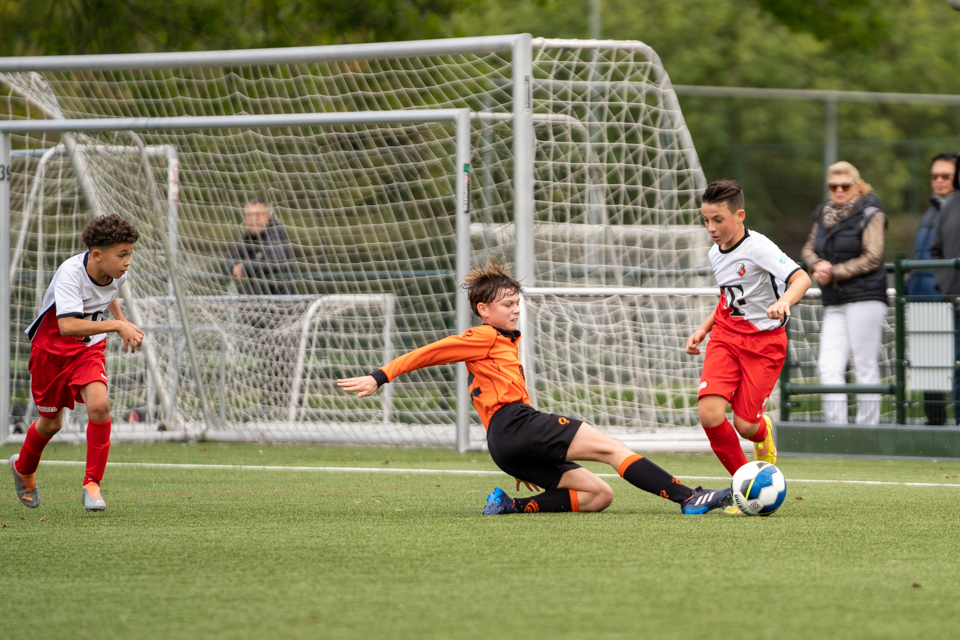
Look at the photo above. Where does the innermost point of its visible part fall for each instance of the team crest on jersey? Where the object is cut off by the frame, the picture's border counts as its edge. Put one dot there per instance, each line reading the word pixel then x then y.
pixel 741 269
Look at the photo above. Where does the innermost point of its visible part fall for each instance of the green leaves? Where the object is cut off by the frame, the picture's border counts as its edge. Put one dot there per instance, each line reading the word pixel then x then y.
pixel 845 24
pixel 49 27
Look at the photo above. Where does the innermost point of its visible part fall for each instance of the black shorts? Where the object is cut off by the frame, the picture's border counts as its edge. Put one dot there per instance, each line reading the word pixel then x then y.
pixel 530 445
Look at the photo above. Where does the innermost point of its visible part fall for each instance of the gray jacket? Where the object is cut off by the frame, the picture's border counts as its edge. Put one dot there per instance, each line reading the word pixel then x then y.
pixel 266 258
pixel 946 244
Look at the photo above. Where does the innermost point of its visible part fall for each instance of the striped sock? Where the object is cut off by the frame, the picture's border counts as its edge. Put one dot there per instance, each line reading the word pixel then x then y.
pixel 550 501
pixel 646 475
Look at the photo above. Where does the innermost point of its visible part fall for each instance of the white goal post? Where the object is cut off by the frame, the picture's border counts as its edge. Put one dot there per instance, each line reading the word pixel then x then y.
pixel 583 174
pixel 209 427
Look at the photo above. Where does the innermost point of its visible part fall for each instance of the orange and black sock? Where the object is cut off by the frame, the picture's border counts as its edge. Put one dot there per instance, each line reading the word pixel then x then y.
pixel 31 451
pixel 98 448
pixel 726 444
pixel 550 501
pixel 646 475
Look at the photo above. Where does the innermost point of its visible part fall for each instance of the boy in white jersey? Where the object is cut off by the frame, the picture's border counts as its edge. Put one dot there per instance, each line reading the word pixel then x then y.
pixel 67 346
pixel 748 343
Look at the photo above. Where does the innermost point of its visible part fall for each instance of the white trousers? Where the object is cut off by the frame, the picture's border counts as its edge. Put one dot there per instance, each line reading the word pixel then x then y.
pixel 855 328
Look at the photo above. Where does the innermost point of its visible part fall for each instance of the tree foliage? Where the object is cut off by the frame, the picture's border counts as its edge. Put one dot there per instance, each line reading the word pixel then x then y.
pixel 47 27
pixel 775 147
pixel 846 24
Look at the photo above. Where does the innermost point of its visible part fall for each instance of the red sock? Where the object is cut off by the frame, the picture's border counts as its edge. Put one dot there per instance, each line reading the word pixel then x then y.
pixel 98 448
pixel 31 451
pixel 761 433
pixel 726 444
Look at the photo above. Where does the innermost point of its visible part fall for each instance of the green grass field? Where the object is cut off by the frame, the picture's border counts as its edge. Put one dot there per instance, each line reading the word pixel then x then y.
pixel 256 553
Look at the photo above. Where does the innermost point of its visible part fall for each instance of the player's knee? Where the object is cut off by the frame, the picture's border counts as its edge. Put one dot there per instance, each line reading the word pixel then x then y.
pixel 709 415
pixel 744 428
pixel 98 410
pixel 49 427
pixel 599 497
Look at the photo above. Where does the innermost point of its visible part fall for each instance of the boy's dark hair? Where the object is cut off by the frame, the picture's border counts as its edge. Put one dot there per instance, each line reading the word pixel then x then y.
pixel 106 231
pixel 724 191
pixel 258 200
pixel 489 283
pixel 946 155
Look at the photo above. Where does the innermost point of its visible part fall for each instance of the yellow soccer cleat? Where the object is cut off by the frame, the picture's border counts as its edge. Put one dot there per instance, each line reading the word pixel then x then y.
pixel 766 451
pixel 732 510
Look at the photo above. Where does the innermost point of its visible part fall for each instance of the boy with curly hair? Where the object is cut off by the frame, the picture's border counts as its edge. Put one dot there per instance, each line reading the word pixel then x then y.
pixel 537 449
pixel 67 353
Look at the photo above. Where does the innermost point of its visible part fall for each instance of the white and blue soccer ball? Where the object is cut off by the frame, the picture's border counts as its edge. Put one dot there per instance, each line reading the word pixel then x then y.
pixel 758 488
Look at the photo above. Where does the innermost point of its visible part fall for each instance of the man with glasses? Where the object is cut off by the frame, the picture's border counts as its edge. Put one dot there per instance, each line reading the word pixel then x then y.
pixel 946 244
pixel 922 286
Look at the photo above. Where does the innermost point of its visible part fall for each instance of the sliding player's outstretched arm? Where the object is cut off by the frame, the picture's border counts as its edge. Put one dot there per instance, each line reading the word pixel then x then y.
pixel 473 344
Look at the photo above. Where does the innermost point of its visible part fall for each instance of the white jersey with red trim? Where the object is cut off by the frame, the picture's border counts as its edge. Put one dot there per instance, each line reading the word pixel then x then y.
pixel 72 292
pixel 752 276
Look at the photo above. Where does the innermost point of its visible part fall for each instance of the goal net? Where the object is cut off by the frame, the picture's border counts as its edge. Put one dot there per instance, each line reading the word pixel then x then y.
pixel 369 213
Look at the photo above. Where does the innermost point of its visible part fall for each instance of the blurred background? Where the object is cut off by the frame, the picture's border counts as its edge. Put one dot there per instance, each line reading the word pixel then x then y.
pixel 775 148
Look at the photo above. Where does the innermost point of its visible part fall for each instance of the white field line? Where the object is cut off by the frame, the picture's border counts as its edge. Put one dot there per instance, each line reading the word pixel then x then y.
pixel 462 472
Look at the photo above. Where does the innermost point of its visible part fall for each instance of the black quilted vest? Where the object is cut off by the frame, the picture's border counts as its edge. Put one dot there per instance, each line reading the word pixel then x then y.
pixel 845 242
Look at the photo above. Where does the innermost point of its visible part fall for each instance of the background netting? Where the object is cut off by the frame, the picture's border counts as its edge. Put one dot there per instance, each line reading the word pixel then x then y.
pixel 369 211
pixel 619 362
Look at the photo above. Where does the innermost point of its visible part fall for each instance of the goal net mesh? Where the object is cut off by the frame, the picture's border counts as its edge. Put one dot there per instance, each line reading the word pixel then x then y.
pixel 368 265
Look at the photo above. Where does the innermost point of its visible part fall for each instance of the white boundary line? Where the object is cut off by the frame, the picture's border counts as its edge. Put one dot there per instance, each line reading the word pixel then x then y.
pixel 462 472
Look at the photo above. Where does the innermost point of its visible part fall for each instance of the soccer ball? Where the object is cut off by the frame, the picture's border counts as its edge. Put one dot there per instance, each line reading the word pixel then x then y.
pixel 758 488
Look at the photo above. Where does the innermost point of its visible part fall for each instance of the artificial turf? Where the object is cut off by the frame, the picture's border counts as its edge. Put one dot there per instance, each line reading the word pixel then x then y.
pixel 254 553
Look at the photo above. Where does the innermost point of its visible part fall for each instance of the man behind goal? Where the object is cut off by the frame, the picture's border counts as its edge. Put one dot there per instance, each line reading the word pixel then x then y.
pixel 748 344
pixel 67 353
pixel 537 449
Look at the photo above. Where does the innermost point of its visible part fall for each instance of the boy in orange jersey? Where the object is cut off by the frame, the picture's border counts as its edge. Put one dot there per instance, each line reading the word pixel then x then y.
pixel 67 360
pixel 537 449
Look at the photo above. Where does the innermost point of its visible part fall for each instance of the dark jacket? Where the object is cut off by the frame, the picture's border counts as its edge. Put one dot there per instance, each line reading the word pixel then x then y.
pixel 946 244
pixel 844 242
pixel 921 283
pixel 266 259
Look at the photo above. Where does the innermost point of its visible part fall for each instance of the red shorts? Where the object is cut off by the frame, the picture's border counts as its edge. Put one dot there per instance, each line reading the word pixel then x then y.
pixel 56 380
pixel 743 368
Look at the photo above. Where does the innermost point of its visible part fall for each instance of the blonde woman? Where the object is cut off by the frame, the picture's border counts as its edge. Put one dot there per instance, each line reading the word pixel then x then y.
pixel 845 255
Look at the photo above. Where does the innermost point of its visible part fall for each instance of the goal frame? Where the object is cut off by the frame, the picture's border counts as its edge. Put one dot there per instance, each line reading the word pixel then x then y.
pixel 462 164
pixel 522 48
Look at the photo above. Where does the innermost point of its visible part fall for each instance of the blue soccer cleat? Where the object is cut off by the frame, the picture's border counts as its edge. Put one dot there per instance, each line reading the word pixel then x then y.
pixel 499 502
pixel 704 500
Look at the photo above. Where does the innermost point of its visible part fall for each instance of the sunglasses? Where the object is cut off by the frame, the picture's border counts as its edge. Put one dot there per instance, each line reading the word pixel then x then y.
pixel 840 187
pixel 941 176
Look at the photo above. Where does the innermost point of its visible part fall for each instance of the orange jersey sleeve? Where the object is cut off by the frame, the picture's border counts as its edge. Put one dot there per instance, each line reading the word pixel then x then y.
pixel 472 344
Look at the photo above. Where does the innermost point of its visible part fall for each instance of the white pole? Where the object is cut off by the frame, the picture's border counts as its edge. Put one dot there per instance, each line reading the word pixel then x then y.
pixel 463 177
pixel 5 185
pixel 389 308
pixel 523 205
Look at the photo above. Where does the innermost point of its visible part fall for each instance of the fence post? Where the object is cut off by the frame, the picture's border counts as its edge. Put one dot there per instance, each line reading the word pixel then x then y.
pixel 785 381
pixel 900 327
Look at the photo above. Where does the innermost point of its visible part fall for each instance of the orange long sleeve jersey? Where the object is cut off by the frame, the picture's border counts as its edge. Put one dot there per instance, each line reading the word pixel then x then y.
pixel 492 359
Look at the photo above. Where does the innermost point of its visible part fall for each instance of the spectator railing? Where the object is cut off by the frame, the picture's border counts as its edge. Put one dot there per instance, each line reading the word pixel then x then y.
pixel 900 268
